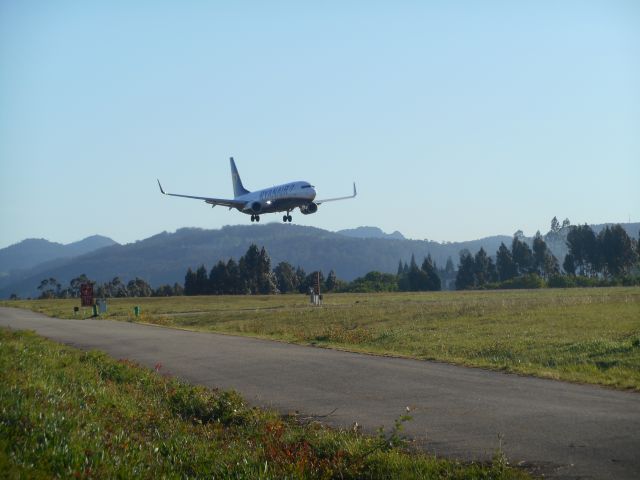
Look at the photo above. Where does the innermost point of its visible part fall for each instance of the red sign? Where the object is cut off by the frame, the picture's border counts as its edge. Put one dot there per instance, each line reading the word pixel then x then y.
pixel 86 294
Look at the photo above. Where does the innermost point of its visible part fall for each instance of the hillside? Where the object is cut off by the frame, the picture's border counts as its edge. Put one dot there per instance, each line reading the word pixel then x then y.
pixel 165 257
pixel 370 232
pixel 34 251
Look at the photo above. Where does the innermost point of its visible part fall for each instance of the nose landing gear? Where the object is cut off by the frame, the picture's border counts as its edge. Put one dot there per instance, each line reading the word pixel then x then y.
pixel 287 218
pixel 255 218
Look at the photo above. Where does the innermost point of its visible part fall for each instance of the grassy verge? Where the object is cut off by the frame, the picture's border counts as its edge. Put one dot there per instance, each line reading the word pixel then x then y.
pixel 67 413
pixel 581 335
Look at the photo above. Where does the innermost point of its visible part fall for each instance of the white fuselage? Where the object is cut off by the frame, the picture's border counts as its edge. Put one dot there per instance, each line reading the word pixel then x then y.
pixel 280 198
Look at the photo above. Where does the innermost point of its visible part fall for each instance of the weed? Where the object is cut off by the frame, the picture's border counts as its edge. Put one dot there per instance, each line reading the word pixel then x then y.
pixel 71 414
pixel 585 335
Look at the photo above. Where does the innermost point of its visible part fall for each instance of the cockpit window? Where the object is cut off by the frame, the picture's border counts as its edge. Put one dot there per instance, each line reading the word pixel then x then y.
pixel 307 186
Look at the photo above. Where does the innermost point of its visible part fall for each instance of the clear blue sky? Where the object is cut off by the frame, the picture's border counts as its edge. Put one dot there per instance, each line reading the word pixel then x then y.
pixel 457 120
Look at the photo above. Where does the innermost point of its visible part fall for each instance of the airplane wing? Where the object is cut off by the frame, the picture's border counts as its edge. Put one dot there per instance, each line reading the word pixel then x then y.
pixel 211 201
pixel 318 202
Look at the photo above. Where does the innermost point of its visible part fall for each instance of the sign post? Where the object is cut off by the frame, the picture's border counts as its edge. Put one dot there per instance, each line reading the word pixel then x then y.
pixel 86 295
pixel 314 292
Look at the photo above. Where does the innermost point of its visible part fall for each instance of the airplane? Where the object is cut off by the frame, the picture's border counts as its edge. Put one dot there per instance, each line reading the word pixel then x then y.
pixel 279 198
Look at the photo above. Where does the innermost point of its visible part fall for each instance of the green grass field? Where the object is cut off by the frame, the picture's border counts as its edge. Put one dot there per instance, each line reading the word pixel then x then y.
pixel 65 413
pixel 581 335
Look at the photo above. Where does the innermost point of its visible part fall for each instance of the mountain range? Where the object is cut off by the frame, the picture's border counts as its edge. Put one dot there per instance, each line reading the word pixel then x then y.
pixel 35 251
pixel 370 232
pixel 165 257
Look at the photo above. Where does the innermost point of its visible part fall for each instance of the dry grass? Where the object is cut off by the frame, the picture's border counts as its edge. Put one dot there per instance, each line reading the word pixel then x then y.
pixel 581 335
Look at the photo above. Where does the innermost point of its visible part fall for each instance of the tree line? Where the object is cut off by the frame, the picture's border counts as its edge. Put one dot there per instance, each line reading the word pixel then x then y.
pixel 115 288
pixel 252 274
pixel 608 258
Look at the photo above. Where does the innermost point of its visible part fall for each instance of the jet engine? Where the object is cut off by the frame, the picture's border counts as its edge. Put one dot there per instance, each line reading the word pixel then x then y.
pixel 309 208
pixel 253 207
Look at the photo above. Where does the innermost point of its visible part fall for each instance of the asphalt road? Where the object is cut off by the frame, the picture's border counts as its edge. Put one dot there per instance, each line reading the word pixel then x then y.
pixel 562 429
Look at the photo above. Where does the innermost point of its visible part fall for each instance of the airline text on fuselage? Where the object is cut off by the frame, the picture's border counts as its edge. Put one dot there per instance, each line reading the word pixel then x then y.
pixel 277 192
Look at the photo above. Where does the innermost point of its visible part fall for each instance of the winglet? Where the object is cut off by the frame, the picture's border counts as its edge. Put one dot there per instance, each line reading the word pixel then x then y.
pixel 355 192
pixel 161 190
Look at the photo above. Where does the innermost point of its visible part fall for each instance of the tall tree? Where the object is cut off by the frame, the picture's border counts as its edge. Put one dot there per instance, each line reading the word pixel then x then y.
pixel 331 281
pixel 555 225
pixel 190 282
pixel 569 264
pixel 113 288
pixel 551 264
pixel 202 281
pixel 484 269
pixel 49 288
pixel 449 268
pixel 544 262
pixel 235 284
pixel 433 282
pixel 139 288
pixel 163 291
pixel 218 278
pixel 250 268
pixel 412 264
pixel 74 285
pixel 522 256
pixel 582 245
pixel 504 264
pixel 286 278
pixel 539 252
pixel 266 280
pixel 178 289
pixel 617 252
pixel 414 279
pixel 301 275
pixel 465 278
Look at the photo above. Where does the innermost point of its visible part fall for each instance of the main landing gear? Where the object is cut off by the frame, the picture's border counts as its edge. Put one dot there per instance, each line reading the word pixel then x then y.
pixel 255 218
pixel 287 218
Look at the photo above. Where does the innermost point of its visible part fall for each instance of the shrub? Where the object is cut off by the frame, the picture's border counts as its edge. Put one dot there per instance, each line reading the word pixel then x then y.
pixel 531 280
pixel 201 405
pixel 561 281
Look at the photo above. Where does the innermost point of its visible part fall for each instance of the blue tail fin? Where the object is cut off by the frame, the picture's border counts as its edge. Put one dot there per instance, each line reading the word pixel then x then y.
pixel 238 189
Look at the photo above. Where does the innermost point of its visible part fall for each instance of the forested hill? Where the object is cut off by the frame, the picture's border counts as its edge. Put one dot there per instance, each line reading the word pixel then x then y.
pixel 164 258
pixel 370 232
pixel 34 251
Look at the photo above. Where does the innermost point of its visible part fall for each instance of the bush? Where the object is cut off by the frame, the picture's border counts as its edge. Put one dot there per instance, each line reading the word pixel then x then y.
pixel 630 281
pixel 531 280
pixel 572 281
pixel 561 281
pixel 373 282
pixel 202 405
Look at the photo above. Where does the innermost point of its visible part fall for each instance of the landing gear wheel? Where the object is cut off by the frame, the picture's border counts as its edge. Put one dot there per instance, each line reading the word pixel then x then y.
pixel 289 218
pixel 253 218
pixel 284 219
pixel 257 218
